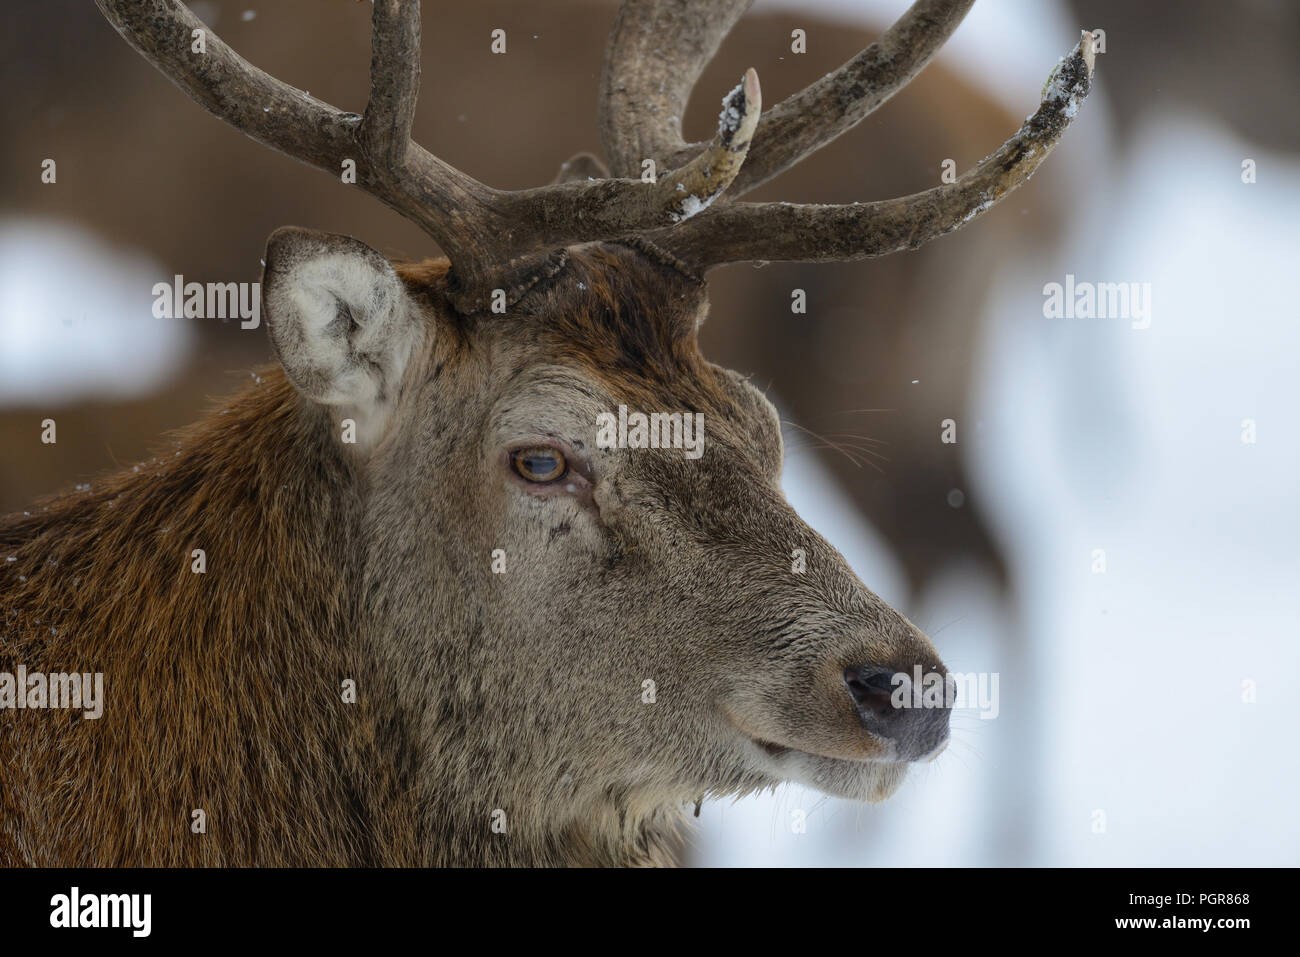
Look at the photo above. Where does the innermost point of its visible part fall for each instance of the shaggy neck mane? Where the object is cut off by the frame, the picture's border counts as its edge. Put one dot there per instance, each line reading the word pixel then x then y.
pixel 223 691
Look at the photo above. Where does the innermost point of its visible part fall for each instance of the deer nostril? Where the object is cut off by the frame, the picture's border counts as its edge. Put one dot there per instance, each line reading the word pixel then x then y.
pixel 872 689
pixel 914 727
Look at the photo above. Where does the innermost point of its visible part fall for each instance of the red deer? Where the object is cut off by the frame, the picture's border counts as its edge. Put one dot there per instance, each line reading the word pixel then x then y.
pixel 398 602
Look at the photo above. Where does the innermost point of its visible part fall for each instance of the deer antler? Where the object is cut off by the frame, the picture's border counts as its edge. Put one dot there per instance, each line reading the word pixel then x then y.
pixel 656 52
pixel 494 238
pixel 738 232
pixel 800 124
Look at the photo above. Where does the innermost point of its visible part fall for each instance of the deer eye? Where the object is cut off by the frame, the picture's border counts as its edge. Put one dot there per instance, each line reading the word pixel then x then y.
pixel 540 464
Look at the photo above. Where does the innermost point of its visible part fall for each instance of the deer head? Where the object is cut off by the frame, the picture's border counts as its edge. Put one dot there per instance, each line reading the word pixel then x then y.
pixel 583 633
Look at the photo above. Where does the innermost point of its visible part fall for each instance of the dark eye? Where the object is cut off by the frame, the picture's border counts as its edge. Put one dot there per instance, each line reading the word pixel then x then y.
pixel 539 464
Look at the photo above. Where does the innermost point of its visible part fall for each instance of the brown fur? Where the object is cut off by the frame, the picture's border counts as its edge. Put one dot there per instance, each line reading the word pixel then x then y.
pixel 223 688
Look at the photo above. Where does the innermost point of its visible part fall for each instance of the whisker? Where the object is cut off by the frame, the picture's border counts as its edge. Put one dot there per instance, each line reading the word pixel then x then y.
pixel 838 447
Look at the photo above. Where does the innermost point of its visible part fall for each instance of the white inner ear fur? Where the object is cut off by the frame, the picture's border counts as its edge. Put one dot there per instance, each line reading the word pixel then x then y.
pixel 344 329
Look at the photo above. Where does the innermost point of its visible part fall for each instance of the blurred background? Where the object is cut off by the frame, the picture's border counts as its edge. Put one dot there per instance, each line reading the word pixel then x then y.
pixel 1114 531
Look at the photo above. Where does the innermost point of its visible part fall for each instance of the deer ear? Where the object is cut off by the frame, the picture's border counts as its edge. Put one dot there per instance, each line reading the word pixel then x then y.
pixel 341 322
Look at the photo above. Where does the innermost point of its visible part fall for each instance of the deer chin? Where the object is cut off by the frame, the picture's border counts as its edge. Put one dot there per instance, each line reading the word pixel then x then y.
pixel 870 781
pixel 867 779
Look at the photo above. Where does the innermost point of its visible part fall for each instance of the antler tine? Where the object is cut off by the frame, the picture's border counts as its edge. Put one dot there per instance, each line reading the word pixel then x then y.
pixel 805 122
pixel 394 80
pixel 655 53
pixel 604 208
pixel 227 86
pixel 286 119
pixel 738 232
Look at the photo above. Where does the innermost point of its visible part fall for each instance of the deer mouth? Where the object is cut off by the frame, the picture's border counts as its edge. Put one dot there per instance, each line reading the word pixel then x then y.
pixel 868 778
pixel 870 769
pixel 778 752
pixel 771 749
pixel 874 750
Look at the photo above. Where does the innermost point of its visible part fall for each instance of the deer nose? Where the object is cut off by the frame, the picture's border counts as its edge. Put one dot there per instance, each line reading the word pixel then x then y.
pixel 888 707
